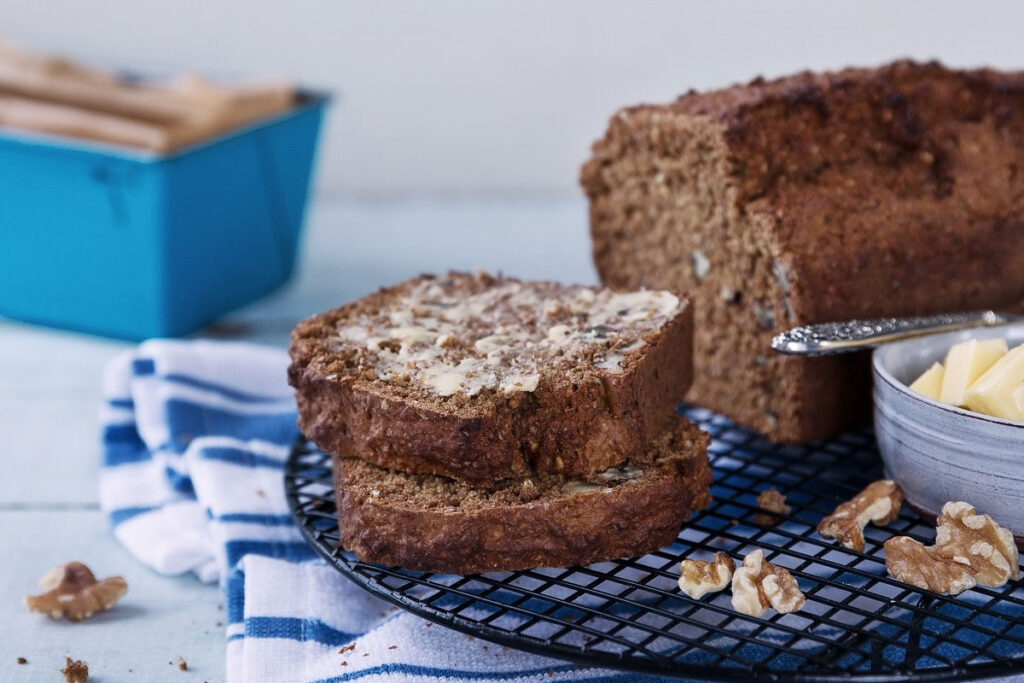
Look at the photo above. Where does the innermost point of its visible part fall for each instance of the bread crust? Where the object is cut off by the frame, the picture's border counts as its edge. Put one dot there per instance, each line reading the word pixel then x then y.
pixel 816 197
pixel 571 427
pixel 630 519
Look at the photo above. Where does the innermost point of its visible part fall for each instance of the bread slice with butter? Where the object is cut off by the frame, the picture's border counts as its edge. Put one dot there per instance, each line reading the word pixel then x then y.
pixel 482 379
pixel 430 523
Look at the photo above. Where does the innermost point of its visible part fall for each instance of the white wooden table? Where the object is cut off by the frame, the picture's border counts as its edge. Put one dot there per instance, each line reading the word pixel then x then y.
pixel 49 436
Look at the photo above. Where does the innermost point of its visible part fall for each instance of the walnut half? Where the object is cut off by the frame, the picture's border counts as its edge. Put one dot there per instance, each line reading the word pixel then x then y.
pixel 759 584
pixel 879 503
pixel 697 578
pixel 73 592
pixel 970 549
pixel 964 536
pixel 914 564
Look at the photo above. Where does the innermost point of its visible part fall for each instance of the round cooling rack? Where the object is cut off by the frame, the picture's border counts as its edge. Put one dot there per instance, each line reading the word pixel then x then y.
pixel 629 614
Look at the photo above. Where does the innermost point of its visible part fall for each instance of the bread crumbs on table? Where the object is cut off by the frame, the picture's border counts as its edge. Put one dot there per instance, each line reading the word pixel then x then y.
pixel 182 664
pixel 347 648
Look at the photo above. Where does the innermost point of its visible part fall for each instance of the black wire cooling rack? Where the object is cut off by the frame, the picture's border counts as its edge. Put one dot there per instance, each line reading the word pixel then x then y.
pixel 629 614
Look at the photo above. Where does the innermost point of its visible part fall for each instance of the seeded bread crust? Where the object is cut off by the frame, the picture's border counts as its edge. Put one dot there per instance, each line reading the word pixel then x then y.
pixel 816 197
pixel 429 523
pixel 577 420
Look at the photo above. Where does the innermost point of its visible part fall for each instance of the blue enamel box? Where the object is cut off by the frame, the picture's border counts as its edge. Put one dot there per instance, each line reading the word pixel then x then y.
pixel 129 244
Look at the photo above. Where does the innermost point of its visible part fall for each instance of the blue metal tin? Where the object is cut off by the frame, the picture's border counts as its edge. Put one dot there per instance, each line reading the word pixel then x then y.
pixel 132 245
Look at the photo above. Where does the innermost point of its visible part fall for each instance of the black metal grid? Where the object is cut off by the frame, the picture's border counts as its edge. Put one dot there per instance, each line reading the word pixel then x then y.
pixel 629 614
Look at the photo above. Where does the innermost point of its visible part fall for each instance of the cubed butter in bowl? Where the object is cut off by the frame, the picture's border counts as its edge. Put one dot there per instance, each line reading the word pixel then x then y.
pixel 930 382
pixel 1000 390
pixel 966 361
pixel 949 417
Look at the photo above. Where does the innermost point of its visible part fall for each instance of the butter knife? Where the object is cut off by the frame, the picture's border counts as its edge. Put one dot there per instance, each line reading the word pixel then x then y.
pixel 857 335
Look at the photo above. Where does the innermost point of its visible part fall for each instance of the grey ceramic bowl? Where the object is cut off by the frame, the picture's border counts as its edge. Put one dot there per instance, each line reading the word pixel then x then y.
pixel 937 452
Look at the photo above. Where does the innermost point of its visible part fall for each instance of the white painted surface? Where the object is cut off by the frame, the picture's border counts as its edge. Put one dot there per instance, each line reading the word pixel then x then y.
pixel 505 95
pixel 49 441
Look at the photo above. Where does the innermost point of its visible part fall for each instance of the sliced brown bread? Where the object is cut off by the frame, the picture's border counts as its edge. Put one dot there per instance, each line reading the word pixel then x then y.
pixel 430 523
pixel 817 197
pixel 482 378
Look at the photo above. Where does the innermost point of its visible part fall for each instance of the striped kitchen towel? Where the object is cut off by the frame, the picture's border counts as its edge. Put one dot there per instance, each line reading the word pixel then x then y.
pixel 195 437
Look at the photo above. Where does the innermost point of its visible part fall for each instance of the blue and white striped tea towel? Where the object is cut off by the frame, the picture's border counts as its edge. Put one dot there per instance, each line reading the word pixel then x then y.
pixel 195 436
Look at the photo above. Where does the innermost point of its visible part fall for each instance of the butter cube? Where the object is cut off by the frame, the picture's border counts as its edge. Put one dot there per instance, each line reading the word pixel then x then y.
pixel 929 384
pixel 965 363
pixel 1000 391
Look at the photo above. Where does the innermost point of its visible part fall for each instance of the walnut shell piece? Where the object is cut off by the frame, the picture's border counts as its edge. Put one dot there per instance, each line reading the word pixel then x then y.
pixel 976 540
pixel 72 591
pixel 772 507
pixel 914 564
pixel 697 578
pixel 75 671
pixel 879 503
pixel 759 584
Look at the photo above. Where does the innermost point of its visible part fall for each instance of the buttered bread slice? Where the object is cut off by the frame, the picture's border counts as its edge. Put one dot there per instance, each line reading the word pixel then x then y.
pixel 430 523
pixel 482 378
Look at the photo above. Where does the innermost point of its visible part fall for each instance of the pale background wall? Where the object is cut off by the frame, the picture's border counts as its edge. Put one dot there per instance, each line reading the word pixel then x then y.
pixel 503 96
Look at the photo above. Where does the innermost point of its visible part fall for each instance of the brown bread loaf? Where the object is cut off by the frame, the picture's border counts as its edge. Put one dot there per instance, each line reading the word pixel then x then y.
pixel 817 197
